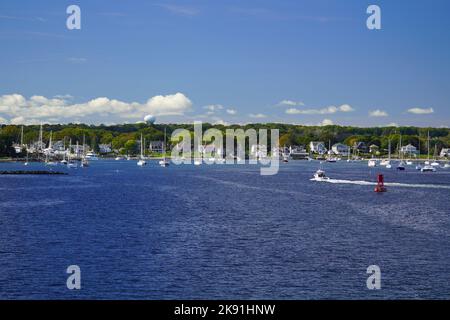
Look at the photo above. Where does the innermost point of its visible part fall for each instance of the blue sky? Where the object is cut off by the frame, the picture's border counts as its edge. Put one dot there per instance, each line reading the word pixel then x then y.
pixel 304 62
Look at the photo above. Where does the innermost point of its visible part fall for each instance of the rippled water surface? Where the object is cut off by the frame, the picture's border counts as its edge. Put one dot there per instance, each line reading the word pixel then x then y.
pixel 224 232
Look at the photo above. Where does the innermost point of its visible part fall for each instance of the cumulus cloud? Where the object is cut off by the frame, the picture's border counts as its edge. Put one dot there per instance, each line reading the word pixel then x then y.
pixel 19 109
pixel 326 122
pixel 327 110
pixel 231 112
pixel 257 115
pixel 213 107
pixel 290 103
pixel 392 124
pixel 378 113
pixel 346 108
pixel 421 110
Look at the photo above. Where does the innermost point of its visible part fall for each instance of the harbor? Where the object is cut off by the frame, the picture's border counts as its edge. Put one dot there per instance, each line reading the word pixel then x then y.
pixel 228 222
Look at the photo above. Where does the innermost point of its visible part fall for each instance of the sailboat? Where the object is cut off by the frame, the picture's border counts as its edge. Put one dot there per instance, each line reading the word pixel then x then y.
pixel 418 166
pixel 141 161
pixel 70 163
pixel 330 159
pixel 387 162
pixel 435 163
pixel 401 165
pixel 84 161
pixel 48 161
pixel 163 162
pixel 428 167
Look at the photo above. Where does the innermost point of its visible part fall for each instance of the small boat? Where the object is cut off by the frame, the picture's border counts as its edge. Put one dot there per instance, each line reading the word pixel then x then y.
pixel 91 156
pixel 84 163
pixel 401 166
pixel 118 158
pixel 388 166
pixel 447 165
pixel 197 162
pixel 419 167
pixel 164 162
pixel 141 161
pixel 428 168
pixel 409 163
pixel 320 175
pixel 435 164
pixel 372 163
pixel 72 165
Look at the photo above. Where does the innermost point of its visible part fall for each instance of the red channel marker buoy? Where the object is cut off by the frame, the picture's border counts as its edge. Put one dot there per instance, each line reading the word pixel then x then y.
pixel 380 184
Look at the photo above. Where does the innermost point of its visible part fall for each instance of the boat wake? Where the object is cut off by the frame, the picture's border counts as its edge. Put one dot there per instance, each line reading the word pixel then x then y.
pixel 388 184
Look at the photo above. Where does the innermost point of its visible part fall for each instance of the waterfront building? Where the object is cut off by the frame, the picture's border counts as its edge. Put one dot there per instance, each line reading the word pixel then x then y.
pixel 317 147
pixel 340 149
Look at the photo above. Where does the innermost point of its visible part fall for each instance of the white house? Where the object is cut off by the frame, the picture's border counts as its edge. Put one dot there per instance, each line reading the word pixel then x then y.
pixel 157 146
pixel 317 147
pixel 258 151
pixel 298 152
pixel 105 148
pixel 408 149
pixel 340 149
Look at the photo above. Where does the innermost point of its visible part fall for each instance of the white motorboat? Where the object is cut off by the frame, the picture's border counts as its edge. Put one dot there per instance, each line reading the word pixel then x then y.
pixel 118 158
pixel 372 163
pixel 320 175
pixel 428 168
pixel 91 156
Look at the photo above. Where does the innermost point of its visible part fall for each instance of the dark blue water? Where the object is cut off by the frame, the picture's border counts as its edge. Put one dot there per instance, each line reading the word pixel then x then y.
pixel 223 232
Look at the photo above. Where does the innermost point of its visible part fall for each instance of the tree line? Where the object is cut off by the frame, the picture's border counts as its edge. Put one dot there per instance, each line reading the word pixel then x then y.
pixel 123 137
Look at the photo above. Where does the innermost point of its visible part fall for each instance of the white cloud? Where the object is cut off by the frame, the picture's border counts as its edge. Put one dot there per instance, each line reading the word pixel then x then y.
pixel 77 60
pixel 290 103
pixel 257 115
pixel 346 108
pixel 392 124
pixel 231 112
pixel 213 107
pixel 326 122
pixel 3 121
pixel 221 122
pixel 327 110
pixel 39 108
pixel 175 104
pixel 378 113
pixel 421 110
pixel 180 10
